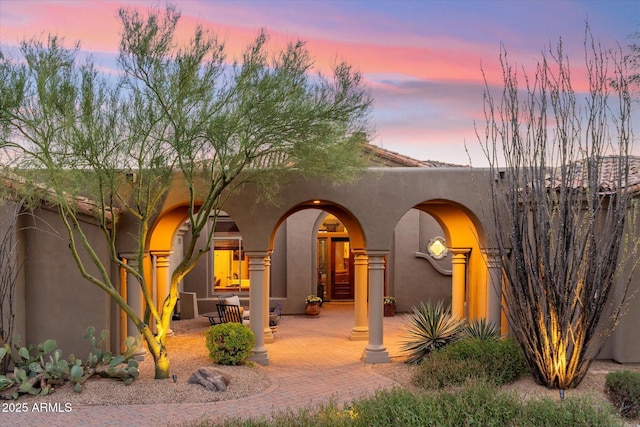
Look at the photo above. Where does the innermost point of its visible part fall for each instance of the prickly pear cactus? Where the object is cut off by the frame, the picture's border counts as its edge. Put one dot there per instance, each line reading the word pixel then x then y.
pixel 38 368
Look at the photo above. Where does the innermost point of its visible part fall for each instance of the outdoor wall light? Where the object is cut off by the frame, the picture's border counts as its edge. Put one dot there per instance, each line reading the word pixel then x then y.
pixel 437 248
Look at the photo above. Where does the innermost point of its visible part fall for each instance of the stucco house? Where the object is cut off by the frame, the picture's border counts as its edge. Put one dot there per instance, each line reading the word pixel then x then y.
pixel 406 228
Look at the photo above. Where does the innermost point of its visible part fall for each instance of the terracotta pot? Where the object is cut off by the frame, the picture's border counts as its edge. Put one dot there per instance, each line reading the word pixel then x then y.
pixel 389 310
pixel 312 309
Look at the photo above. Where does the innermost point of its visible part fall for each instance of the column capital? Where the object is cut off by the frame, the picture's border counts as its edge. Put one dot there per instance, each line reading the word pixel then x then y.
pixel 131 255
pixel 375 253
pixel 360 259
pixel 460 251
pixel 257 254
pixel 491 251
pixel 162 253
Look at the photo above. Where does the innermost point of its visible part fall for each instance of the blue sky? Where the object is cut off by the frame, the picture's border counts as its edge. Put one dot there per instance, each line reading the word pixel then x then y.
pixel 421 59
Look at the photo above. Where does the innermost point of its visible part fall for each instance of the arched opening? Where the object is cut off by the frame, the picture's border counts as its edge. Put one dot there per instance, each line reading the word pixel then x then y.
pixel 221 271
pixel 313 252
pixel 334 261
pixel 472 294
pixel 414 275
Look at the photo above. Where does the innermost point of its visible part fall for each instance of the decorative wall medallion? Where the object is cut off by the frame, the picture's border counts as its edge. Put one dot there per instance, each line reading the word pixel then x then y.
pixel 437 248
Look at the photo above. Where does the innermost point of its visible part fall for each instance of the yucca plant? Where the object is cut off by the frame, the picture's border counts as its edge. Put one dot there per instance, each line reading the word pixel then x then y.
pixel 481 329
pixel 430 328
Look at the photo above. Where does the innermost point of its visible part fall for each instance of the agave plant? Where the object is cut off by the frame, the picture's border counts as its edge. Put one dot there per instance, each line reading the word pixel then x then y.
pixel 430 328
pixel 481 330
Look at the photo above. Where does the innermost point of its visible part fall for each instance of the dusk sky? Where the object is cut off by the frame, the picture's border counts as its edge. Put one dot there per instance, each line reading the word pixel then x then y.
pixel 421 59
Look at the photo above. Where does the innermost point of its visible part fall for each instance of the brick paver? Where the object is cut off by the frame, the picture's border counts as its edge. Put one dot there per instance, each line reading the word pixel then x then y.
pixel 311 360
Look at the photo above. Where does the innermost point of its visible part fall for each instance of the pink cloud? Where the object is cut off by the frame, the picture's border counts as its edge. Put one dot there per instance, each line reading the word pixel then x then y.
pixel 93 23
pixel 97 26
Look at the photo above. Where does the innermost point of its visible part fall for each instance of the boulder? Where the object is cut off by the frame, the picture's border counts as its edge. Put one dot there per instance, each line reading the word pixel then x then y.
pixel 210 378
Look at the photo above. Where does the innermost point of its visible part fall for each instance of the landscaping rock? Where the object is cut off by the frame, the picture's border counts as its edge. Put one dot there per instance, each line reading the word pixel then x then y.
pixel 210 378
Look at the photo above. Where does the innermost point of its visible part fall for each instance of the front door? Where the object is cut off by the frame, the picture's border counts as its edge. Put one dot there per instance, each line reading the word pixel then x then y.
pixel 341 269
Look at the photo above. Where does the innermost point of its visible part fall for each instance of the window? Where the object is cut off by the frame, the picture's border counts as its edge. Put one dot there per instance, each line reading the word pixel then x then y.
pixel 230 269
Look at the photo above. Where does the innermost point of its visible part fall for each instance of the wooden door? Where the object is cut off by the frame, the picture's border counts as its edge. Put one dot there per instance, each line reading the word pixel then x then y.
pixel 341 270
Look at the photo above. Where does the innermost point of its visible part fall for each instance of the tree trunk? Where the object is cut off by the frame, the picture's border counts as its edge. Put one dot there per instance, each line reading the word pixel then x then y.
pixel 162 365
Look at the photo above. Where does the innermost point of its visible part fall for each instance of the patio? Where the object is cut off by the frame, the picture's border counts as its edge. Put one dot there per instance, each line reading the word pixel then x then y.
pixel 311 360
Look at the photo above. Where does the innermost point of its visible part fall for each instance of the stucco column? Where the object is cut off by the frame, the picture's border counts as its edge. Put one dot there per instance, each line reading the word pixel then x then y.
pixel 458 281
pixel 163 282
pixel 256 304
pixel 375 351
pixel 360 331
pixel 268 334
pixel 494 287
pixel 135 300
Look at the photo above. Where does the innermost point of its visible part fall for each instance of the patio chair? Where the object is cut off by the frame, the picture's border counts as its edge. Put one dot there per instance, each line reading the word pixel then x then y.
pixel 231 313
pixel 233 299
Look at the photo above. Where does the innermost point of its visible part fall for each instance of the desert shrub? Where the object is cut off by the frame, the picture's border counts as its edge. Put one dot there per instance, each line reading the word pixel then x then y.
pixel 481 329
pixel 572 411
pixel 438 371
pixel 496 362
pixel 477 405
pixel 623 390
pixel 428 329
pixel 229 343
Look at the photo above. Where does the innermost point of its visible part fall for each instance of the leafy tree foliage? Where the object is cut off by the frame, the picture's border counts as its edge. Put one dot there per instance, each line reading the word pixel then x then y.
pixel 174 114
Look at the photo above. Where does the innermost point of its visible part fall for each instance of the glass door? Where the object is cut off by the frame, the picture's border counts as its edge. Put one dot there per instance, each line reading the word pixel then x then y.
pixel 341 269
pixel 229 269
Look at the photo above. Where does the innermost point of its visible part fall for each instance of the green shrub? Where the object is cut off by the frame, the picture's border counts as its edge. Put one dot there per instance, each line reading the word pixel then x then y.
pixel 229 343
pixel 430 328
pixel 623 390
pixel 477 405
pixel 572 411
pixel 496 362
pixel 481 330
pixel 438 371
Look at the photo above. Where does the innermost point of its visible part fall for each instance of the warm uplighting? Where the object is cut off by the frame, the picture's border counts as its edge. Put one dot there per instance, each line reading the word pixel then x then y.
pixel 316 202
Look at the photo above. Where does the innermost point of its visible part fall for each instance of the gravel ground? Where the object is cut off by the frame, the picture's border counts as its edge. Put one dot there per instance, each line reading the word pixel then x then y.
pixel 187 353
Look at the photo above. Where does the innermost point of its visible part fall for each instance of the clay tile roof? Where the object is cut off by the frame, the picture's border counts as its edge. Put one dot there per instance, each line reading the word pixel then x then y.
pixel 608 180
pixel 84 205
pixel 391 158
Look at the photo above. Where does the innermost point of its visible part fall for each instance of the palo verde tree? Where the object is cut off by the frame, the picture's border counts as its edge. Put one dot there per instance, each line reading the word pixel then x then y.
pixel 563 213
pixel 176 114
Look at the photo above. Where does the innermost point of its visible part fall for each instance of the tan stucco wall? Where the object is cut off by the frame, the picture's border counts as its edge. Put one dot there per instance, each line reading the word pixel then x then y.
pixel 378 210
pixel 59 303
pixel 410 279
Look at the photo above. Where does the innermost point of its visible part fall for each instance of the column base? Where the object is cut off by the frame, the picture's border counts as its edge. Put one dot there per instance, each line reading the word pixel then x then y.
pixel 260 356
pixel 359 333
pixel 140 354
pixel 376 355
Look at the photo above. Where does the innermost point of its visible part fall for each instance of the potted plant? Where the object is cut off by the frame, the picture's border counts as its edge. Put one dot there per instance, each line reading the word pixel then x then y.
pixel 389 306
pixel 275 312
pixel 313 305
